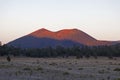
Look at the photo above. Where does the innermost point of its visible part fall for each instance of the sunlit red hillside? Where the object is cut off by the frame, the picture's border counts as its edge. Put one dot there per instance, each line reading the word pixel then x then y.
pixel 69 34
pixel 66 38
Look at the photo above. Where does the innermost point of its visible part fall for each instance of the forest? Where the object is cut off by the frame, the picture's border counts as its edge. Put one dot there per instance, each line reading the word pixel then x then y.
pixel 59 51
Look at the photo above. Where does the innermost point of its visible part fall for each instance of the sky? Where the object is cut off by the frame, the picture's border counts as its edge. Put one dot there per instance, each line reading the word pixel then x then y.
pixel 98 18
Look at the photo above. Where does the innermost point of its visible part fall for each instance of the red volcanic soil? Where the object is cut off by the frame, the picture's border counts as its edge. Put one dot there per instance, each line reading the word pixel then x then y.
pixel 69 34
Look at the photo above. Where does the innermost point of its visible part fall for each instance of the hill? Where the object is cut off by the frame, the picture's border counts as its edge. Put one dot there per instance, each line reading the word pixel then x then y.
pixel 66 38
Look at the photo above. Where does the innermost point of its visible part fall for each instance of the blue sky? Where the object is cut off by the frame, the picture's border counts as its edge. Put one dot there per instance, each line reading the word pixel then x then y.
pixel 98 18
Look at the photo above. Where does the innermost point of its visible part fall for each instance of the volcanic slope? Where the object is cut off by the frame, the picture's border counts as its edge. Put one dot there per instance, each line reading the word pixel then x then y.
pixel 66 38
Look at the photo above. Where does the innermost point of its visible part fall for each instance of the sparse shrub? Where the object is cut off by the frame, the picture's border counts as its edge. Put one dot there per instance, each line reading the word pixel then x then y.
pixel 27 68
pixel 117 69
pixel 39 68
pixel 115 58
pixel 42 72
pixel 110 57
pixel 80 68
pixel 66 73
pixel 70 63
pixel 87 56
pixel 96 57
pixel 76 63
pixel 79 56
pixel 91 76
pixel 101 71
pixel 69 68
pixel 53 64
pixel 108 78
pixel 31 72
pixel 18 73
pixel 8 58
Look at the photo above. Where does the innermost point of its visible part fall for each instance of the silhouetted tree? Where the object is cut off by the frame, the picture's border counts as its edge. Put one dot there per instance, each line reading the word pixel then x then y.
pixel 79 52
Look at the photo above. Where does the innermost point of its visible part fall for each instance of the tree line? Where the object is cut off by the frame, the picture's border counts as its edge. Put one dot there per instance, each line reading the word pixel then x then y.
pixel 59 51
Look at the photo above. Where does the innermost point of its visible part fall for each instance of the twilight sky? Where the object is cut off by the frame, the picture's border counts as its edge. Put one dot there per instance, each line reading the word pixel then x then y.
pixel 98 18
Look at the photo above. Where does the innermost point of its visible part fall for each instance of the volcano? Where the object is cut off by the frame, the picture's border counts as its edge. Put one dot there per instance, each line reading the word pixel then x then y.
pixel 66 38
pixel 74 35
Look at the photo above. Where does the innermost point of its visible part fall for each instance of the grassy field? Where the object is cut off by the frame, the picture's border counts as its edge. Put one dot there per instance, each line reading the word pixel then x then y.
pixel 59 69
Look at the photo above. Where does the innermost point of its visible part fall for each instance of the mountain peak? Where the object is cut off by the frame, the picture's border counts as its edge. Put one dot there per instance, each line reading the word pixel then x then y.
pixel 43 29
pixel 42 33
